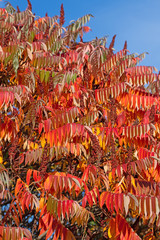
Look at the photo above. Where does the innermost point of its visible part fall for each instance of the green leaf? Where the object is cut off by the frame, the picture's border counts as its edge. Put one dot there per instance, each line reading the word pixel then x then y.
pixel 7 59
pixel 47 73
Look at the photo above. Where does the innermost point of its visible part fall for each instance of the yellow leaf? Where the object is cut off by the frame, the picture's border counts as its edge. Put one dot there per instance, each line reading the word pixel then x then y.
pixel 100 140
pixel 36 146
pixel 32 145
pixel 25 145
pixel 104 229
pixel 98 130
pixel 109 232
pixel 133 181
pixel 43 142
pixel 110 176
pixel 1 157
pixel 82 165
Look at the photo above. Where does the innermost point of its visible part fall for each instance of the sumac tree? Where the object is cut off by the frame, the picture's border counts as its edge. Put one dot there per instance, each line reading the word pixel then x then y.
pixel 79 134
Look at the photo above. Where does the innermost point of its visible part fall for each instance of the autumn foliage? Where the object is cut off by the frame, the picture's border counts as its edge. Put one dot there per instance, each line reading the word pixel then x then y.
pixel 79 134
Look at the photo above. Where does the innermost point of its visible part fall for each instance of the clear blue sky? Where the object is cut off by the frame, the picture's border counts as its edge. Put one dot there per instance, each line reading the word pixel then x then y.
pixel 137 21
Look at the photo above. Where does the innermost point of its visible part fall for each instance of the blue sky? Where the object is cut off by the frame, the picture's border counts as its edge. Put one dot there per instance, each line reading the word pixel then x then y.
pixel 137 21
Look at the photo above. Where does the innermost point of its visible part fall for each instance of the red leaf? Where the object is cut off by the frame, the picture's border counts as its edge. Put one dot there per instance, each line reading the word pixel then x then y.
pixel 59 208
pixel 102 199
pixel 84 201
pixel 108 201
pixel 28 200
pixel 86 29
pixel 112 201
pixel 89 198
pixel 116 203
pixel 29 173
pixel 64 208
pixel 120 202
pixel 67 208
